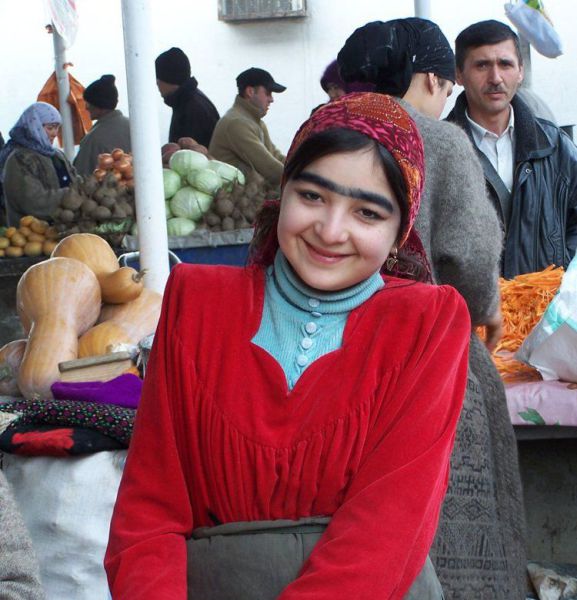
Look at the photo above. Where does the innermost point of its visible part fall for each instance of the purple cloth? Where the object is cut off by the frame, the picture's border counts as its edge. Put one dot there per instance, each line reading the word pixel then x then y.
pixel 332 76
pixel 123 390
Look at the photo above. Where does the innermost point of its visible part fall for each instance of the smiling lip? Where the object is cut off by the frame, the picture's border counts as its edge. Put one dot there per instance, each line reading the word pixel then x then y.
pixel 324 256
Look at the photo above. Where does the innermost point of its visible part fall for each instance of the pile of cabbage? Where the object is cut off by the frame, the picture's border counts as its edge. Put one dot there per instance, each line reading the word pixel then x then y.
pixel 190 186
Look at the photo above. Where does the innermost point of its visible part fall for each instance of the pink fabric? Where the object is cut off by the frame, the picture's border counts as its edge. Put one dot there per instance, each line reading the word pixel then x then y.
pixel 555 402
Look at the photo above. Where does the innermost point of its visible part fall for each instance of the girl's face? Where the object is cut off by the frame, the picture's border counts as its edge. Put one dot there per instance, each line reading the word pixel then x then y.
pixel 339 220
pixel 51 130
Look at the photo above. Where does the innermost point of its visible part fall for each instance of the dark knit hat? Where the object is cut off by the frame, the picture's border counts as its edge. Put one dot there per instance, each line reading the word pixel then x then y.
pixel 387 54
pixel 102 93
pixel 172 66
pixel 331 76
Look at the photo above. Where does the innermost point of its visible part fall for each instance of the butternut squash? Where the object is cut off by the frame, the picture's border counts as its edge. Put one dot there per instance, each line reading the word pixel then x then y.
pixel 95 252
pixel 60 298
pixel 100 339
pixel 11 356
pixel 138 318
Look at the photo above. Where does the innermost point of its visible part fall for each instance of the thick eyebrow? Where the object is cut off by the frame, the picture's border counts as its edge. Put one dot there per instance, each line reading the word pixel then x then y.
pixel 357 193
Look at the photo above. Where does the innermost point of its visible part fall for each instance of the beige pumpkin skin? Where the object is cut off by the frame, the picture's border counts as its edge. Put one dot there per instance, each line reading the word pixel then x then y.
pixel 60 297
pixel 118 284
pixel 138 318
pixel 98 339
pixel 11 355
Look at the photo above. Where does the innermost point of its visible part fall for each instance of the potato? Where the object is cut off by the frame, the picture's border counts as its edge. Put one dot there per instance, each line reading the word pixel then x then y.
pixel 26 220
pixel 88 207
pixel 48 246
pixel 24 230
pixel 101 213
pixel 36 237
pixel 72 200
pixel 39 226
pixel 33 249
pixel 4 243
pixel 227 224
pixel 2 253
pixel 10 232
pixel 66 216
pixel 224 207
pixel 14 252
pixel 18 240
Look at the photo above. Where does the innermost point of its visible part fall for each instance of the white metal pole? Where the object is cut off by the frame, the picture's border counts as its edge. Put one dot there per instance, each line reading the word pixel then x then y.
pixel 145 141
pixel 423 9
pixel 63 93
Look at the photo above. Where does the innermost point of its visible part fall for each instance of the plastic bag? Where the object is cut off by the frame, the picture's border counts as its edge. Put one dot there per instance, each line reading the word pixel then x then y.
pixel 552 345
pixel 530 19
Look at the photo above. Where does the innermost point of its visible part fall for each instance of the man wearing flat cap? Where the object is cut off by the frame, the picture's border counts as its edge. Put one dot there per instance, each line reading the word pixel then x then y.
pixel 193 114
pixel 111 130
pixel 241 138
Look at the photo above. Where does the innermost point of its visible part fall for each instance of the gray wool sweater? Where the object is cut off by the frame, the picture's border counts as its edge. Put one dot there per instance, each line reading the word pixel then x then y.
pixel 457 223
pixel 19 576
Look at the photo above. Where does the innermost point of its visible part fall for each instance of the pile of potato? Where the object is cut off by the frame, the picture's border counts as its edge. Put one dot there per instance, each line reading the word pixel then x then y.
pixel 33 237
pixel 96 206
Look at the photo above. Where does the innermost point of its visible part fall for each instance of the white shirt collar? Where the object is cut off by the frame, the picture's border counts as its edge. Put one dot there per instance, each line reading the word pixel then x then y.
pixel 479 132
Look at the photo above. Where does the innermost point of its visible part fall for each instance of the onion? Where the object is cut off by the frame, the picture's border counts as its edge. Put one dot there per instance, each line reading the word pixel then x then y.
pixel 117 175
pixel 99 174
pixel 117 153
pixel 105 161
pixel 123 165
pixel 128 173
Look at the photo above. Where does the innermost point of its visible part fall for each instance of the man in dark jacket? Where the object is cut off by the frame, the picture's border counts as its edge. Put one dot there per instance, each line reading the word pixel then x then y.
pixel 193 114
pixel 530 165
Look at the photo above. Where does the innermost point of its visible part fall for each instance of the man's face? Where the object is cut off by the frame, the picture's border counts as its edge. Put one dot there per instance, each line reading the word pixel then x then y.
pixel 490 76
pixel 93 111
pixel 165 89
pixel 260 97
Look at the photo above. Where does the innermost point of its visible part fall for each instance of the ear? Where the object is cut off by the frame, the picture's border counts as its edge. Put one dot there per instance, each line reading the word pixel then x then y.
pixel 459 77
pixel 431 82
pixel 521 74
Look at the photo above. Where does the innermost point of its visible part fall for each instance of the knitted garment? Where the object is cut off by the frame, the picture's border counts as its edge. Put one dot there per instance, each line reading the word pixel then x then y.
pixel 300 324
pixel 364 437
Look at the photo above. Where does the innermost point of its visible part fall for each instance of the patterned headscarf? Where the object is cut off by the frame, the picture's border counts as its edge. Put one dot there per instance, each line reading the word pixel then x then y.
pixel 382 119
pixel 29 131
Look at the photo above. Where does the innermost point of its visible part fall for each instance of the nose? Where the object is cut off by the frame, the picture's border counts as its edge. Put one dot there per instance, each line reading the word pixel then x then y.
pixel 331 227
pixel 495 75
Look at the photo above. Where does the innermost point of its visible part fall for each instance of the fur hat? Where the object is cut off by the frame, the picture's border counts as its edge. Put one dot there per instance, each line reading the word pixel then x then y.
pixel 172 66
pixel 102 93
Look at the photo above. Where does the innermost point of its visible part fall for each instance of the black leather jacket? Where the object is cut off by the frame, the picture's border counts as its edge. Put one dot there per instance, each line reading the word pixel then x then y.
pixel 540 214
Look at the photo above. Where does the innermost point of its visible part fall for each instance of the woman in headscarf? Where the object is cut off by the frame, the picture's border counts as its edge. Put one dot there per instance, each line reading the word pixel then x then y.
pixel 34 173
pixel 321 402
pixel 479 551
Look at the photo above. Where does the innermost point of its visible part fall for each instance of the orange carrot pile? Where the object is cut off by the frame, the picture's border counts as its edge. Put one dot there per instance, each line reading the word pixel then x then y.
pixel 523 302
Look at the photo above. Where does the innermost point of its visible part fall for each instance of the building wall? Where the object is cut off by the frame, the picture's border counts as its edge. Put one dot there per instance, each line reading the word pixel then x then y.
pixel 295 51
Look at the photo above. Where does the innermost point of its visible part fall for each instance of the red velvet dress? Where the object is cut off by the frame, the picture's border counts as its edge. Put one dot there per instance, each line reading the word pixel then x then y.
pixel 364 436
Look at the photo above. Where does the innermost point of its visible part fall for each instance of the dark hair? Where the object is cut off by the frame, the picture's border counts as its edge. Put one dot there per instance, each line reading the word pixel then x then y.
pixel 484 33
pixel 331 141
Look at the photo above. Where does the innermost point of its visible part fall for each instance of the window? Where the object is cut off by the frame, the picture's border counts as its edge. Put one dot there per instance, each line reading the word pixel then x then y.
pixel 249 10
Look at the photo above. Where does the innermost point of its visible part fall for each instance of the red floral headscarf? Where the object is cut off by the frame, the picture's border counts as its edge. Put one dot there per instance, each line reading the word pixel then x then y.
pixel 382 119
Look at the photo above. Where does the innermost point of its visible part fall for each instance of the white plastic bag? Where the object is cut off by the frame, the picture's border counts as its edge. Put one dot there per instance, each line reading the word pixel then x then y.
pixel 552 345
pixel 534 26
pixel 67 504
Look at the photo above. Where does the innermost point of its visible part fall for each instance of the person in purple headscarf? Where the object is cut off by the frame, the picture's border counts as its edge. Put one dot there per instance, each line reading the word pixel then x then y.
pixel 34 173
pixel 335 87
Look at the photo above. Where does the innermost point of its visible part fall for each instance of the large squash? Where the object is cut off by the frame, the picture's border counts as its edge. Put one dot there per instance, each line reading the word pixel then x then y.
pixel 11 356
pixel 101 338
pixel 118 284
pixel 60 297
pixel 138 318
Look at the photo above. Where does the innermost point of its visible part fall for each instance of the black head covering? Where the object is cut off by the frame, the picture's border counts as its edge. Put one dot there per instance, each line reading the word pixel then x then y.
pixel 102 93
pixel 172 66
pixel 387 54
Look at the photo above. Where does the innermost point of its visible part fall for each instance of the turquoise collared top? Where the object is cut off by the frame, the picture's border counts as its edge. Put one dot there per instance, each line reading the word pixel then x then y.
pixel 299 323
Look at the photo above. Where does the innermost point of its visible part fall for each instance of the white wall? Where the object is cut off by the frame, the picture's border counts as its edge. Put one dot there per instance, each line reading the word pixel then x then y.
pixel 295 51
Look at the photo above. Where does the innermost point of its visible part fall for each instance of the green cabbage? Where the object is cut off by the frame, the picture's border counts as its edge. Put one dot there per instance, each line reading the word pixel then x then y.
pixel 206 181
pixel 187 161
pixel 190 203
pixel 228 173
pixel 168 210
pixel 180 226
pixel 172 183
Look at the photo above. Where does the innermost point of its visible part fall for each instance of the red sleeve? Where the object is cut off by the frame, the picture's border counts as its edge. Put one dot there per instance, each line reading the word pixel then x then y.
pixel 378 540
pixel 146 554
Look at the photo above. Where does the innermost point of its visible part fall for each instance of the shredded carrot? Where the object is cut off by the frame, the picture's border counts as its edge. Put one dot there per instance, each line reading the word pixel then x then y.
pixel 523 302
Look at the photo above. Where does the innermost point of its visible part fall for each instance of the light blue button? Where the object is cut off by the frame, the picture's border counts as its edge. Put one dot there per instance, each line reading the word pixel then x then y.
pixel 311 327
pixel 307 343
pixel 316 314
pixel 313 302
pixel 302 360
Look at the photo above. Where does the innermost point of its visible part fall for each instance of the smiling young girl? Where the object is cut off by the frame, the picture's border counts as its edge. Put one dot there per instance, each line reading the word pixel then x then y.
pixel 294 435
